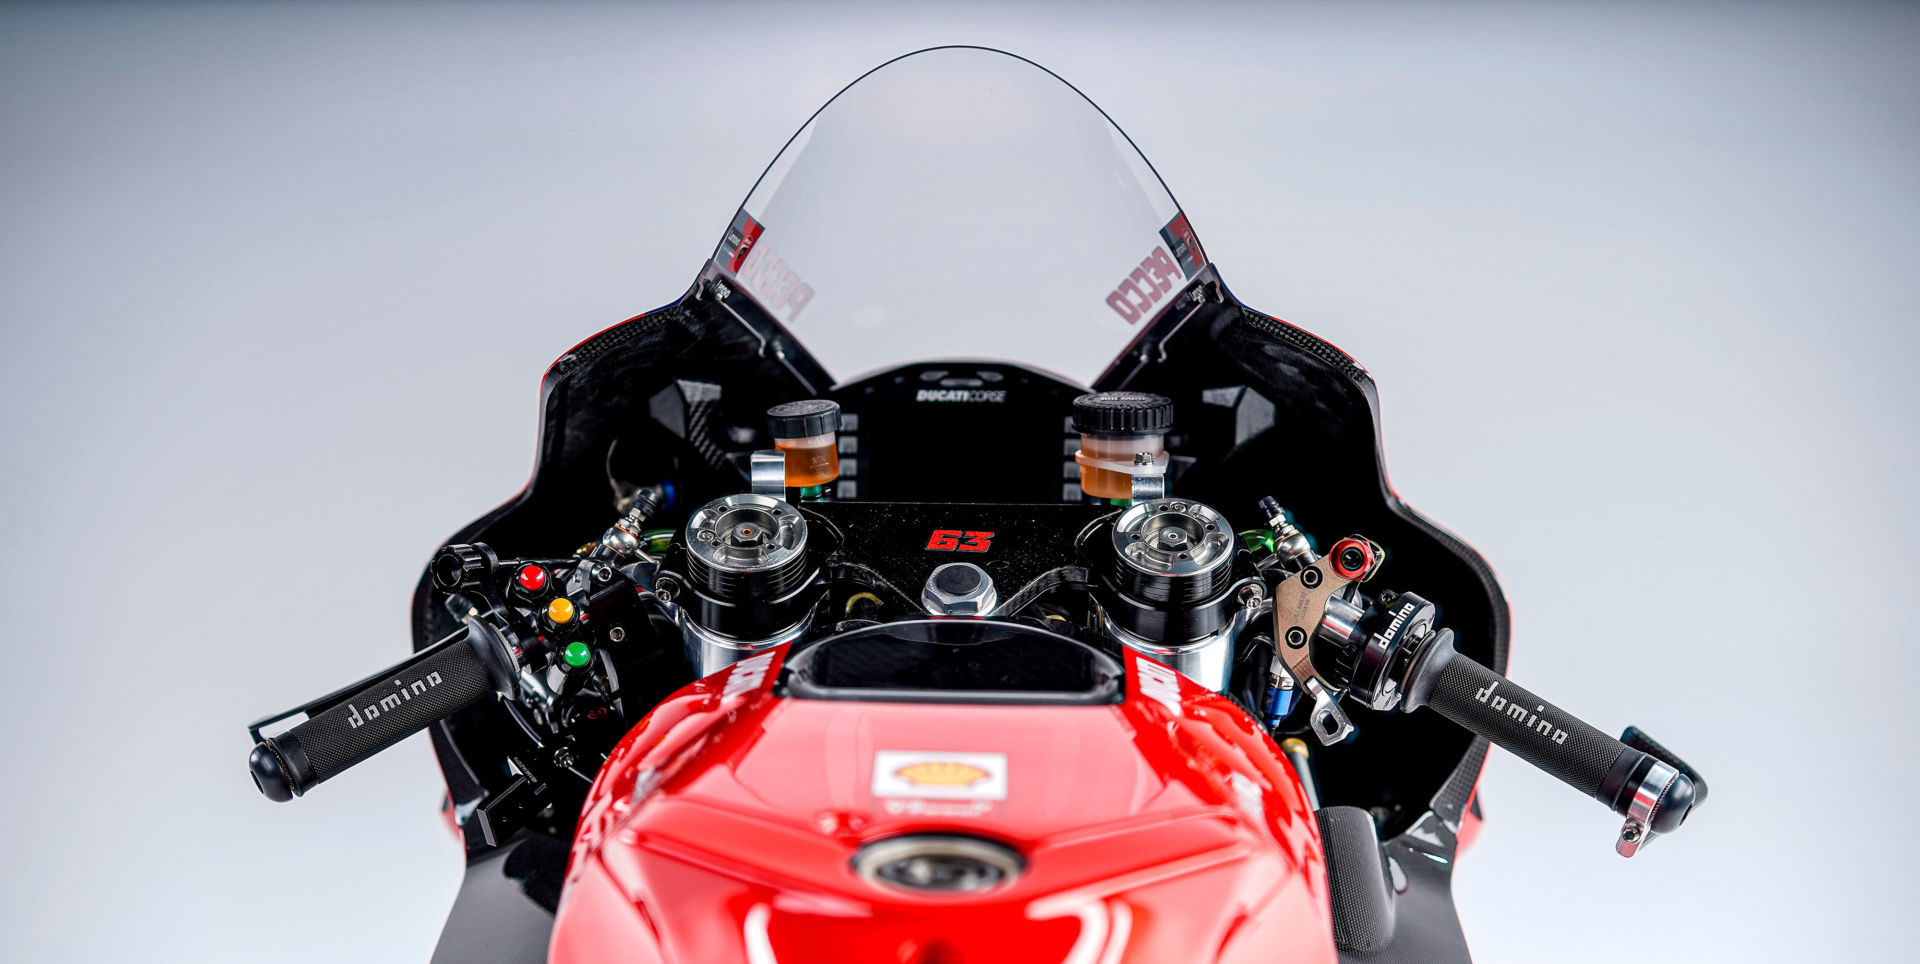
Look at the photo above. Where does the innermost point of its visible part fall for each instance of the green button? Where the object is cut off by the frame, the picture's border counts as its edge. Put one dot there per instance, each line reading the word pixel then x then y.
pixel 577 654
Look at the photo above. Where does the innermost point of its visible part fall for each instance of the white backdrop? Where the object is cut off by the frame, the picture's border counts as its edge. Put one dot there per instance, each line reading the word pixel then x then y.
pixel 277 286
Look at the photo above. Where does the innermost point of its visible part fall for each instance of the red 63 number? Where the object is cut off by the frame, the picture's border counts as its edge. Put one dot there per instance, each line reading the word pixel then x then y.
pixel 957 540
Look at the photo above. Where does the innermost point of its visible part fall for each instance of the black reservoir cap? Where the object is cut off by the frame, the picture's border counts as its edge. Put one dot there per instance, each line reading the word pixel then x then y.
pixel 1122 413
pixel 804 419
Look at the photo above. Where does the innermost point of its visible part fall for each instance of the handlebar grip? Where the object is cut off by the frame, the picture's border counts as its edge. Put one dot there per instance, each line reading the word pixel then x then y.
pixel 1566 747
pixel 407 698
pixel 1526 725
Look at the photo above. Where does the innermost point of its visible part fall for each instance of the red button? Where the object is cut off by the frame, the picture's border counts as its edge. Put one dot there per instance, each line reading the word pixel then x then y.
pixel 532 578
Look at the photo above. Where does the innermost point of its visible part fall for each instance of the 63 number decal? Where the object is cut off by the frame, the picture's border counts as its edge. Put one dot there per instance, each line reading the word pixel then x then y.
pixel 959 540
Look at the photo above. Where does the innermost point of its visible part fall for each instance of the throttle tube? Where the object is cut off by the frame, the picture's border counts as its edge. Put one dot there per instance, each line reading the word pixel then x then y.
pixel 1529 727
pixel 409 697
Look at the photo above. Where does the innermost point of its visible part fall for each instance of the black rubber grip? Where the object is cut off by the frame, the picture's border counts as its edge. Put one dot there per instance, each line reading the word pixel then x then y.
pixel 415 695
pixel 1530 728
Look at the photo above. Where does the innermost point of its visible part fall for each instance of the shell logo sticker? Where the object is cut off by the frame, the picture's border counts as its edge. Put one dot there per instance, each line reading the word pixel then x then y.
pixel 933 775
pixel 941 774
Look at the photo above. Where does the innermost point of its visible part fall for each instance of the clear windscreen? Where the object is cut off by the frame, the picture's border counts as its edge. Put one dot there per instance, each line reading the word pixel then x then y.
pixel 961 203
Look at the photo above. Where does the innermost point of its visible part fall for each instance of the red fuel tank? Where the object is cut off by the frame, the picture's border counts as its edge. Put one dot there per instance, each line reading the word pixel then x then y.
pixel 735 824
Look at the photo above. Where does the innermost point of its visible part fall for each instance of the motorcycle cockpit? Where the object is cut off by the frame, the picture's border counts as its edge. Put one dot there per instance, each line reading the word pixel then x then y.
pixel 959 416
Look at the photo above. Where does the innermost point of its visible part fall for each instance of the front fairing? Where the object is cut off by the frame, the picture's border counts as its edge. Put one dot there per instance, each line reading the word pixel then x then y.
pixel 595 397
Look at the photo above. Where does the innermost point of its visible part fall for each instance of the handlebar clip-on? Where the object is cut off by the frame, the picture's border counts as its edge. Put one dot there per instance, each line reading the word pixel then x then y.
pixel 363 718
pixel 1387 653
pixel 486 658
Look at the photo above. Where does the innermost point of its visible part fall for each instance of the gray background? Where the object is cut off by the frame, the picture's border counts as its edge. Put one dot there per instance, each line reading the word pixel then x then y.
pixel 277 286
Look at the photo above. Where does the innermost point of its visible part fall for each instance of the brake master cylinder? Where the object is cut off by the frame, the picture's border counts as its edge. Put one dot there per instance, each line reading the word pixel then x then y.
pixel 1122 435
pixel 807 433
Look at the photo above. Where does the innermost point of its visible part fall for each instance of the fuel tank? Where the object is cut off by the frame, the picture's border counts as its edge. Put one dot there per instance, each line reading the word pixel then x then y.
pixel 767 813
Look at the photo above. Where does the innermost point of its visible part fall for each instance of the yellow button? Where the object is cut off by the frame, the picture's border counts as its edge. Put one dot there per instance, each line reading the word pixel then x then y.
pixel 560 610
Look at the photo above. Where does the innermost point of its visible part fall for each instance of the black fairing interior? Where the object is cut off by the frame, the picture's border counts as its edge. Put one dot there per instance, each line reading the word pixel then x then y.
pixel 609 408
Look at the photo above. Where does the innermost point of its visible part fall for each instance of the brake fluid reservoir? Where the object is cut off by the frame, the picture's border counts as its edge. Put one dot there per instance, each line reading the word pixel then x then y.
pixel 808 433
pixel 1122 434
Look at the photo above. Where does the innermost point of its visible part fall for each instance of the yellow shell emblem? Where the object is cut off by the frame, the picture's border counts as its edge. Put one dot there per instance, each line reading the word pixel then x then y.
pixel 940 773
